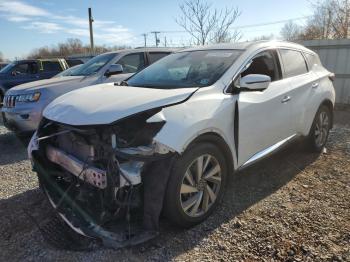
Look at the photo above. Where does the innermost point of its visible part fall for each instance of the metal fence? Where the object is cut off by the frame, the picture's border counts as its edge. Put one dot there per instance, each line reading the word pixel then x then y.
pixel 335 56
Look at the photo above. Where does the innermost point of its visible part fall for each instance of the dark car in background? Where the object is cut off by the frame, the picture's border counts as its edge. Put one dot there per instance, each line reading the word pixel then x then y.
pixel 24 71
pixel 3 64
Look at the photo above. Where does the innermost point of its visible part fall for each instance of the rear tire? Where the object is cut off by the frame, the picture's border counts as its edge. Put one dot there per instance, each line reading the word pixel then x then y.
pixel 319 132
pixel 196 185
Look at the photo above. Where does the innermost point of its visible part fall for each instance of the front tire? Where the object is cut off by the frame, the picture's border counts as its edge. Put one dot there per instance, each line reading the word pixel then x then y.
pixel 319 132
pixel 196 184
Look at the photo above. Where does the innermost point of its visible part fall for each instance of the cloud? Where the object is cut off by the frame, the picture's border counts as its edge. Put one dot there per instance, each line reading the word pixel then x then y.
pixel 21 9
pixel 47 22
pixel 44 27
pixel 17 18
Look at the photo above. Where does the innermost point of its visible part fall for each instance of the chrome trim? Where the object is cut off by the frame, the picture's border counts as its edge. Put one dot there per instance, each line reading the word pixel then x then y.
pixel 266 151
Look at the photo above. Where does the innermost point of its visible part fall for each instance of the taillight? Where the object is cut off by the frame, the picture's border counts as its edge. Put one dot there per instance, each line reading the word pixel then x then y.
pixel 331 77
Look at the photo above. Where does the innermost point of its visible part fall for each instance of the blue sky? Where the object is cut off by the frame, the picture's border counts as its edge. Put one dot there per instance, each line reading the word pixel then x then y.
pixel 28 24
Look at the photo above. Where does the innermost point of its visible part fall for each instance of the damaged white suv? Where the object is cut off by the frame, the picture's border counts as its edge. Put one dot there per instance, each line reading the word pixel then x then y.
pixel 109 156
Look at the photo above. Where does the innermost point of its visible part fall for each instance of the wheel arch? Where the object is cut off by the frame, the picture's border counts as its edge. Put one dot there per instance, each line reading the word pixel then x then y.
pixel 218 140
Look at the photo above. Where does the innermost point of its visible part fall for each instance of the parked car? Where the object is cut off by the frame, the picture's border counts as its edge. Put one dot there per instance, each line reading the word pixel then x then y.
pixel 176 131
pixel 24 104
pixel 2 65
pixel 24 71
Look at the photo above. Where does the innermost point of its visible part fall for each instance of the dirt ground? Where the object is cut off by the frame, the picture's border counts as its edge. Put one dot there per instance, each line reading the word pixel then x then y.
pixel 293 206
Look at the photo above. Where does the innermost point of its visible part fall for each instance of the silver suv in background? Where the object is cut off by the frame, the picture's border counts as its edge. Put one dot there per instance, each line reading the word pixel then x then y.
pixel 23 105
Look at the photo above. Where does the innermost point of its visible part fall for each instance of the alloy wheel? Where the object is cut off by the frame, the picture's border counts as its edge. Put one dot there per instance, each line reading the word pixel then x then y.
pixel 200 185
pixel 321 129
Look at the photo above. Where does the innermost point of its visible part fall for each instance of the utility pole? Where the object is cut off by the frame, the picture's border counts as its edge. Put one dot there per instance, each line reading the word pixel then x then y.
pixel 156 37
pixel 145 39
pixel 165 42
pixel 91 32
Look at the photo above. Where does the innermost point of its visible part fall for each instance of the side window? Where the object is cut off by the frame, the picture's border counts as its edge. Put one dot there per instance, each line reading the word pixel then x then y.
pixel 265 63
pixel 132 63
pixel 155 56
pixel 312 59
pixel 21 68
pixel 293 62
pixel 51 66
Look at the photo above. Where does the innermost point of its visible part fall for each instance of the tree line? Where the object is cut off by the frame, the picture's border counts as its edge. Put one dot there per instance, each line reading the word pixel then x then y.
pixel 330 20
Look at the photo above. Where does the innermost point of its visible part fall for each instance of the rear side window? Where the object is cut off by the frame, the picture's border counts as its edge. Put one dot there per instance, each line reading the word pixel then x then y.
pixel 51 66
pixel 312 60
pixel 155 56
pixel 293 62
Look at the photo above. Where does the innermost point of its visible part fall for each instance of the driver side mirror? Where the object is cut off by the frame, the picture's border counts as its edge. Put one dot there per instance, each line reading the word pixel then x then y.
pixel 254 82
pixel 13 73
pixel 114 70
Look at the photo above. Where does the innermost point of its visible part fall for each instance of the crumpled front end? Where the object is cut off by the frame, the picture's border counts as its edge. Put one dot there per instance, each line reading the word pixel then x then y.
pixel 105 181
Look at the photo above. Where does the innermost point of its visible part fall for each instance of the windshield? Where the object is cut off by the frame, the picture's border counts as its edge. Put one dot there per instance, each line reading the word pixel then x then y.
pixel 93 65
pixel 186 69
pixel 7 68
pixel 69 72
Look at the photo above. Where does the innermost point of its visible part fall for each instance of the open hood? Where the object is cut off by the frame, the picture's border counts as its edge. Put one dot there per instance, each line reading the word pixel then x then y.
pixel 107 103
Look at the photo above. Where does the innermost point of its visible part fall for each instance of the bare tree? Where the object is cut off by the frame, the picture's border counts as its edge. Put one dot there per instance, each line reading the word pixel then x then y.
pixel 206 24
pixel 70 47
pixel 291 31
pixel 1 57
pixel 330 20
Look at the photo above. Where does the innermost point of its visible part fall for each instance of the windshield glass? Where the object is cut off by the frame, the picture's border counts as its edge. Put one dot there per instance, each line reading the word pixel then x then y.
pixel 93 65
pixel 7 68
pixel 186 69
pixel 69 72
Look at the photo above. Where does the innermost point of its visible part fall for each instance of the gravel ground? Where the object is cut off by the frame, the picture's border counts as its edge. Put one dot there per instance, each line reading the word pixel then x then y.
pixel 293 206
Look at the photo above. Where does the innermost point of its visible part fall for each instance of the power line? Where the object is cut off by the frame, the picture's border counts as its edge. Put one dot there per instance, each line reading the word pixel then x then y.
pixel 243 26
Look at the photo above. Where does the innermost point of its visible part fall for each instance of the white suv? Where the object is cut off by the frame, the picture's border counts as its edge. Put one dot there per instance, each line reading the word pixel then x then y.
pixel 176 131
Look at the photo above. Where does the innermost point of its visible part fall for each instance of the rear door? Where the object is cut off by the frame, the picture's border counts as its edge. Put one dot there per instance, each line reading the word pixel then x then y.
pixel 263 117
pixel 304 83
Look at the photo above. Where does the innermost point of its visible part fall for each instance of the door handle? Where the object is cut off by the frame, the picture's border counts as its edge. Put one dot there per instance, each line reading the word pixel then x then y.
pixel 314 85
pixel 286 99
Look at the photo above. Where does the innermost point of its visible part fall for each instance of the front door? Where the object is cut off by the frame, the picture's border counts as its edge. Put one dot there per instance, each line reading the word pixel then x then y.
pixel 263 117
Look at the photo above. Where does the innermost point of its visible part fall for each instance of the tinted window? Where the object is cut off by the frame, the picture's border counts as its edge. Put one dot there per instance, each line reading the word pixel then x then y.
pixel 264 63
pixel 186 69
pixel 74 62
pixel 153 56
pixel 132 63
pixel 21 69
pixel 293 62
pixel 51 66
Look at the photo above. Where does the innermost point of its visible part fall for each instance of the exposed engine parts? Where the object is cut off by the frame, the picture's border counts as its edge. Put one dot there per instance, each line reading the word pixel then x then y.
pixel 99 178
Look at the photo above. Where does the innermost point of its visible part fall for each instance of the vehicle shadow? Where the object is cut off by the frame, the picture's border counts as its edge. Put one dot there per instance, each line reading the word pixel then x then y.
pixel 244 189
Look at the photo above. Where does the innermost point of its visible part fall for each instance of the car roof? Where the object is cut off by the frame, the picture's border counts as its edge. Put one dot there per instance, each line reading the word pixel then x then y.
pixel 251 45
pixel 144 49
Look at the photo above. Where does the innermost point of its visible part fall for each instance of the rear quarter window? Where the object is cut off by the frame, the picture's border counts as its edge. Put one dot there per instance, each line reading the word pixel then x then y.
pixel 312 59
pixel 52 66
pixel 293 62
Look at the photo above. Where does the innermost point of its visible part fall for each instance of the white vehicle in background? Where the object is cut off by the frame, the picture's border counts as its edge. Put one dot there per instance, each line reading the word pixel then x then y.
pixel 177 130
